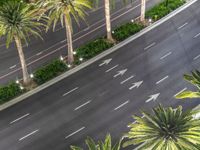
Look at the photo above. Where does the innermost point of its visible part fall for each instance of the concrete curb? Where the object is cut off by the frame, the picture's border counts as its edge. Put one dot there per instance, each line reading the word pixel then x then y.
pixel 96 58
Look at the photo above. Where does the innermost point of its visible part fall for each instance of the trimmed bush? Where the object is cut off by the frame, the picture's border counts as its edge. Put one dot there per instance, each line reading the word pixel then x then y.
pixel 126 31
pixel 161 10
pixel 93 48
pixel 49 71
pixel 10 91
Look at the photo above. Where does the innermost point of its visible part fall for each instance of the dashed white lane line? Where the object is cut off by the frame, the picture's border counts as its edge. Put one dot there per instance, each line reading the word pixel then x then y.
pixel 165 55
pixel 24 137
pixel 196 57
pixel 180 27
pixel 70 91
pixel 121 105
pixel 112 68
pixel 19 118
pixel 74 132
pixel 82 105
pixel 134 122
pixel 12 67
pixel 127 79
pixel 149 46
pixel 161 80
pixel 180 91
pixel 197 35
pixel 39 53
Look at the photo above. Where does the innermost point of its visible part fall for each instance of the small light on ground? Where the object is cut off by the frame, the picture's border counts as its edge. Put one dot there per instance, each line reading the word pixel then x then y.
pixel 74 52
pixel 17 81
pixel 69 66
pixel 31 75
pixel 150 20
pixel 113 32
pixel 61 58
pixel 21 87
pixel 132 20
pixel 81 59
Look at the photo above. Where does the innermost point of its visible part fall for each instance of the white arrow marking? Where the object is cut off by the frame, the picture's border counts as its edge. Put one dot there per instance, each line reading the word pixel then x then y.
pixel 121 72
pixel 105 62
pixel 136 84
pixel 152 97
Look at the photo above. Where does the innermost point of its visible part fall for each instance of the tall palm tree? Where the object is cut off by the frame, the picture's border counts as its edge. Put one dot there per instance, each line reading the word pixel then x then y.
pixel 64 10
pixel 194 79
pixel 106 145
pixel 17 21
pixel 165 129
pixel 143 9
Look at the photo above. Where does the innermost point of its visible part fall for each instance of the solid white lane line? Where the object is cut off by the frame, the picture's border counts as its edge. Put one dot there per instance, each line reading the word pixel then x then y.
pixel 149 46
pixel 180 91
pixel 28 135
pixel 13 66
pixel 74 132
pixel 112 68
pixel 197 35
pixel 162 80
pixel 127 79
pixel 82 105
pixel 19 118
pixel 39 53
pixel 196 57
pixel 183 25
pixel 70 91
pixel 122 105
pixel 165 55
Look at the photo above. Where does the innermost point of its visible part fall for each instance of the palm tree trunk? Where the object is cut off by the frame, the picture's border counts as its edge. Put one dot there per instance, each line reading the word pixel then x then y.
pixel 68 28
pixel 26 78
pixel 143 7
pixel 108 21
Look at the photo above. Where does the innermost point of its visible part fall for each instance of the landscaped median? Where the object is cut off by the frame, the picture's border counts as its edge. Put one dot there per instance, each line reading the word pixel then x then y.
pixel 87 51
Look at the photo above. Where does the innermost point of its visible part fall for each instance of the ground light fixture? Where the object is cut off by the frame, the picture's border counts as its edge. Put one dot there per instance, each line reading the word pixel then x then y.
pixel 21 87
pixel 69 66
pixel 74 52
pixel 17 81
pixel 31 75
pixel 81 59
pixel 61 58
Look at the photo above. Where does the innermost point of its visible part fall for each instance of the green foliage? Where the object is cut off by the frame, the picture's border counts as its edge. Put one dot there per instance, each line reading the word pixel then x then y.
pixel 93 48
pixel 126 30
pixel 106 145
pixel 162 9
pixel 49 71
pixel 8 92
pixel 165 129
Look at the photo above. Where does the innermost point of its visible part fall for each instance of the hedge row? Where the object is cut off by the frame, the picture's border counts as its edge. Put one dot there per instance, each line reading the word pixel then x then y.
pixel 164 8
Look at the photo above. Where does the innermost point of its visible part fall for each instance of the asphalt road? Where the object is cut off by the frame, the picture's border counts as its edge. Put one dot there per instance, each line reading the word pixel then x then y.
pixel 40 52
pixel 95 100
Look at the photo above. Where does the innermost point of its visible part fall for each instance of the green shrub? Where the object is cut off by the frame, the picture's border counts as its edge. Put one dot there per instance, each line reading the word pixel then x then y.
pixel 10 91
pixel 93 48
pixel 126 30
pixel 49 71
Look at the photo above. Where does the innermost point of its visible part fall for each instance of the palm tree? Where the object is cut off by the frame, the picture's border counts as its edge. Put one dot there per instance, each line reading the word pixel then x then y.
pixel 64 10
pixel 194 79
pixel 106 145
pixel 17 21
pixel 165 129
pixel 143 8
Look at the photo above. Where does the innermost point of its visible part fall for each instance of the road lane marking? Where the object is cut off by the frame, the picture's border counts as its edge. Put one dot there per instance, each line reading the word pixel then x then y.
pixel 134 122
pixel 161 80
pixel 19 118
pixel 12 66
pixel 86 29
pixel 165 55
pixel 197 35
pixel 120 73
pixel 112 68
pixel 74 132
pixel 180 91
pixel 82 105
pixel 70 91
pixel 152 97
pixel 149 46
pixel 39 53
pixel 127 79
pixel 182 25
pixel 196 57
pixel 24 137
pixel 122 105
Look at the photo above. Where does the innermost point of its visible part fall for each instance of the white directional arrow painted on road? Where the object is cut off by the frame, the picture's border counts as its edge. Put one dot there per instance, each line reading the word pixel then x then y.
pixel 105 62
pixel 136 84
pixel 153 97
pixel 120 73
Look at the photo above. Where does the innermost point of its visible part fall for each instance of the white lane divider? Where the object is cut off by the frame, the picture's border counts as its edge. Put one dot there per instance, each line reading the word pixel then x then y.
pixel 197 35
pixel 165 55
pixel 180 91
pixel 24 137
pixel 111 68
pixel 196 57
pixel 161 80
pixel 39 53
pixel 74 132
pixel 82 105
pixel 149 46
pixel 19 118
pixel 129 78
pixel 12 67
pixel 121 105
pixel 134 122
pixel 70 91
pixel 182 25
